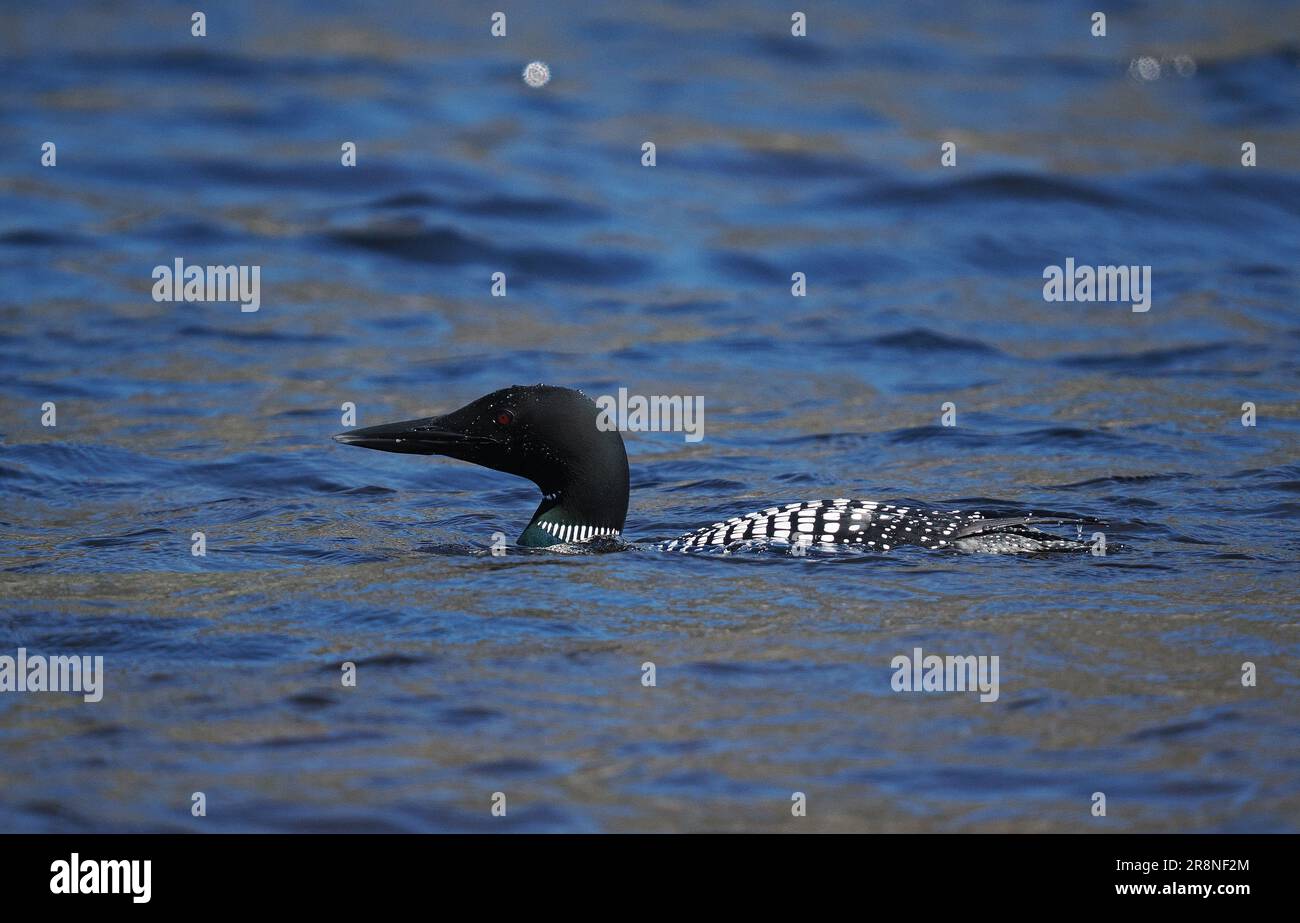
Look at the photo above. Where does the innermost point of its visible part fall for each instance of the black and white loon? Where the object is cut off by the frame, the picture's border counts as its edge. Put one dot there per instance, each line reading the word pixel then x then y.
pixel 550 436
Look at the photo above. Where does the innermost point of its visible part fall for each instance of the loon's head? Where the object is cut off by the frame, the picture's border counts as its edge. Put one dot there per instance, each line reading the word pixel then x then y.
pixel 546 434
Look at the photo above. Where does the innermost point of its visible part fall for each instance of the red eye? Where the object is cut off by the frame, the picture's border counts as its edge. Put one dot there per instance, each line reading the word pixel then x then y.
pixel 505 418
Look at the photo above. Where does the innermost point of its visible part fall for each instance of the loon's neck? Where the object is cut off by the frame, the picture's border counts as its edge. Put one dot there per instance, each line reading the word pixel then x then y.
pixel 559 520
pixel 588 500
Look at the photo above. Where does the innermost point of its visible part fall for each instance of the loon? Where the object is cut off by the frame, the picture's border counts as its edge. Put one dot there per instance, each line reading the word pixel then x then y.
pixel 550 435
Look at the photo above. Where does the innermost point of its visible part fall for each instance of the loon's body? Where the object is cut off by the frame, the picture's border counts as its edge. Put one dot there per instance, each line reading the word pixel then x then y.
pixel 553 437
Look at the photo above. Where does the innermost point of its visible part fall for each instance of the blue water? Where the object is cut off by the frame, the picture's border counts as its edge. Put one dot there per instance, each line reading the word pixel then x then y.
pixel 522 674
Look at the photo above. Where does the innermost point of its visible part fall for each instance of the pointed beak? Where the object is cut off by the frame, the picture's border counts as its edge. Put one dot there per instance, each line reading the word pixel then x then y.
pixel 428 436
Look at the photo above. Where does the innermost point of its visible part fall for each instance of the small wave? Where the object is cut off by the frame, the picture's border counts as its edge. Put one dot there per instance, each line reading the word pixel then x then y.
pixel 38 237
pixel 1122 479
pixel 493 206
pixel 417 242
pixel 266 334
pixel 989 187
pixel 1143 363
pixel 919 339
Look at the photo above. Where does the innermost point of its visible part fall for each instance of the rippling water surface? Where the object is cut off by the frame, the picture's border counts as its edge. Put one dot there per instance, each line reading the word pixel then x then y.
pixel 521 673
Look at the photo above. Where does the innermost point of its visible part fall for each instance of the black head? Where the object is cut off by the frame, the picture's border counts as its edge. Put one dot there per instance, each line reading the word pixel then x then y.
pixel 546 434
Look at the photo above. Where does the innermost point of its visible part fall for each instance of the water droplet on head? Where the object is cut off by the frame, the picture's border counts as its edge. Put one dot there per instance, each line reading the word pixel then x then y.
pixel 537 74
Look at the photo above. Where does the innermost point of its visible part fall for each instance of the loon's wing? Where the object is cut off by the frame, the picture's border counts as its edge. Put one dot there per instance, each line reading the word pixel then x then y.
pixel 876 526
pixel 869 524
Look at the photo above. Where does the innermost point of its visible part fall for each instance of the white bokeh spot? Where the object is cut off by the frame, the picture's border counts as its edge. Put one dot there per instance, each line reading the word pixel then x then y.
pixel 537 74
